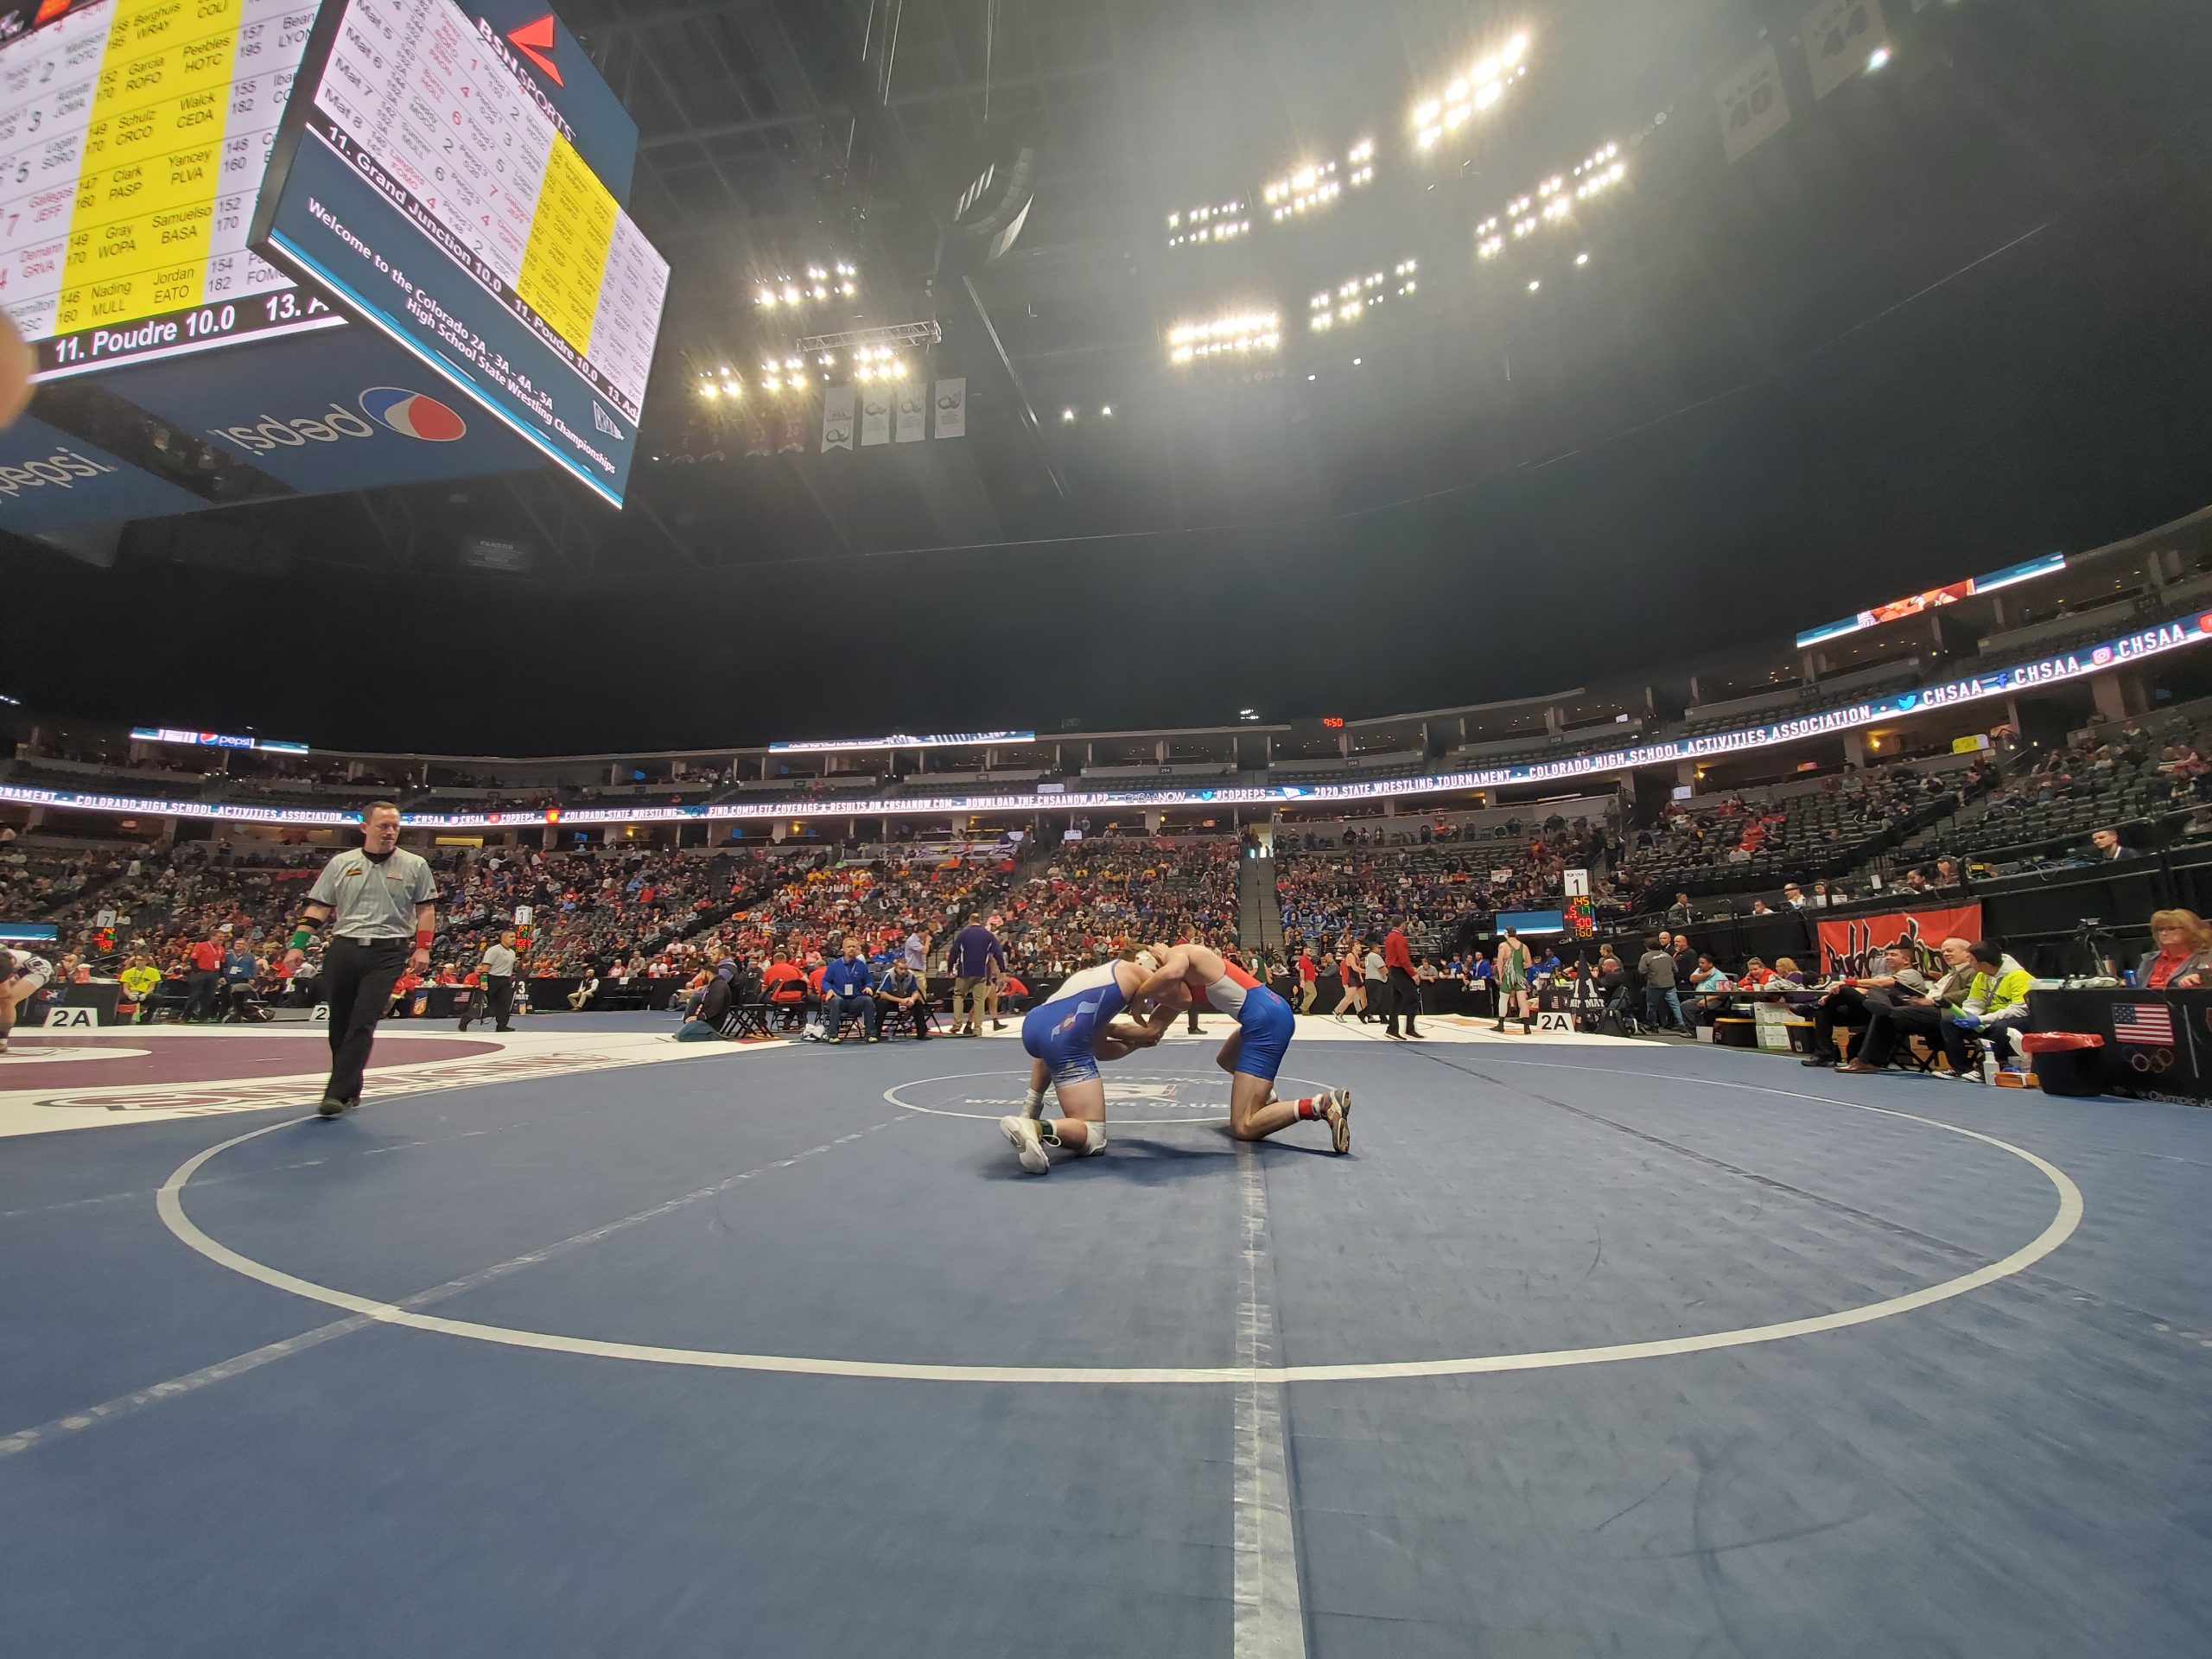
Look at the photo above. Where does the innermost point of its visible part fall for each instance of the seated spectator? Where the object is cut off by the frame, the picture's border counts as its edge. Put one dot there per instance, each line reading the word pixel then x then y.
pixel 1850 1003
pixel 1889 1022
pixel 784 981
pixel 899 995
pixel 1707 979
pixel 1995 1008
pixel 2181 952
pixel 139 979
pixel 2106 848
pixel 848 989
pixel 1679 914
pixel 586 988
pixel 711 1019
pixel 240 970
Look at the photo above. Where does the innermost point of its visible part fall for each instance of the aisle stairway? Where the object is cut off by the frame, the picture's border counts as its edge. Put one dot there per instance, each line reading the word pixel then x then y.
pixel 1259 913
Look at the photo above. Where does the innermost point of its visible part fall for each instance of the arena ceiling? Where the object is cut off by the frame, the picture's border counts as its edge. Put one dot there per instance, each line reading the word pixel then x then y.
pixel 1945 312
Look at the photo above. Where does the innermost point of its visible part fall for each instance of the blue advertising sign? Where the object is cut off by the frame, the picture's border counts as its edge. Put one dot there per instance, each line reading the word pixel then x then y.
pixel 338 411
pixel 448 199
pixel 50 481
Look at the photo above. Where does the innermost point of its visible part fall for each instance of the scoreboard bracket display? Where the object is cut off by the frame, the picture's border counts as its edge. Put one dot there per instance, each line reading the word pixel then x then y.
pixel 140 143
pixel 459 204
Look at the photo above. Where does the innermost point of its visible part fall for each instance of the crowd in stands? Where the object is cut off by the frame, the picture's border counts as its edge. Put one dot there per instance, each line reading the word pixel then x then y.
pixel 2108 773
pixel 1752 839
pixel 1093 896
pixel 1434 884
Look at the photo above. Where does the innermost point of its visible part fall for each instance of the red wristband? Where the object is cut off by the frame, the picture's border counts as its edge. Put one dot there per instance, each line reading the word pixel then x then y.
pixel 422 938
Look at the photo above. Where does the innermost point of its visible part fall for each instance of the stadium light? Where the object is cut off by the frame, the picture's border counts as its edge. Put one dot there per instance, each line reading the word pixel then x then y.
pixel 1877 58
pixel 1351 298
pixel 1240 333
pixel 1066 415
pixel 1552 202
pixel 1207 226
pixel 1312 186
pixel 1470 94
pixel 1107 411
pixel 1582 259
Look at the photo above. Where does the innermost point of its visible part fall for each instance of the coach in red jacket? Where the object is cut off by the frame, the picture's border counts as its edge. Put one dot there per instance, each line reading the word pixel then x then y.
pixel 1405 990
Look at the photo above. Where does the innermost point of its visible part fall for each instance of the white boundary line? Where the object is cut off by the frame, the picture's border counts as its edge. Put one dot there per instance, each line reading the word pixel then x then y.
pixel 1268 1617
pixel 169 1203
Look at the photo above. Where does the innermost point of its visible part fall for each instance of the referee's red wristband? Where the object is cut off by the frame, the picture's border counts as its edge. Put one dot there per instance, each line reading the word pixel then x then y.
pixel 422 938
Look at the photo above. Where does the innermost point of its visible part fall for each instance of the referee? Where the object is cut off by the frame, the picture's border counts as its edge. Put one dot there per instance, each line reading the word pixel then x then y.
pixel 496 978
pixel 381 898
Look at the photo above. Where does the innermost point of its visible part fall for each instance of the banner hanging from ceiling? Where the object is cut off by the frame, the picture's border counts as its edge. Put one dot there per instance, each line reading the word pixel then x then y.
pixel 913 402
pixel 1753 107
pixel 837 419
pixel 1841 37
pixel 875 415
pixel 952 409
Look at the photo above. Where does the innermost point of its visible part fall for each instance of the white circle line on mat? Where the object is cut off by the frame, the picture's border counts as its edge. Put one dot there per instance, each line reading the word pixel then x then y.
pixel 169 1203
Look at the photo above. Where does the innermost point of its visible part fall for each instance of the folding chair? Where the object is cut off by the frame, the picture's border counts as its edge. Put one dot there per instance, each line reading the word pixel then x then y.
pixel 748 1019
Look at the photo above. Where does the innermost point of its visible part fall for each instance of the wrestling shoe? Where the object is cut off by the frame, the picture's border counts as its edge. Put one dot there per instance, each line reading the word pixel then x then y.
pixel 1335 1109
pixel 1027 1143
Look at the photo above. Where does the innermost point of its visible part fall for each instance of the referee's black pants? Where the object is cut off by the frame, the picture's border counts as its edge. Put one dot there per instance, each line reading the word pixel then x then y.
pixel 1405 998
pixel 358 976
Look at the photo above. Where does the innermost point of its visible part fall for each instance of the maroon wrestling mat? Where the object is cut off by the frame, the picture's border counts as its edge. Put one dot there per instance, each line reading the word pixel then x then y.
pixel 172 1058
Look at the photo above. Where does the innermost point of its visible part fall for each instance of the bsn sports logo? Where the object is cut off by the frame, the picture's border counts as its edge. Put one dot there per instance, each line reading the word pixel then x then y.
pixel 61 468
pixel 535 42
pixel 410 414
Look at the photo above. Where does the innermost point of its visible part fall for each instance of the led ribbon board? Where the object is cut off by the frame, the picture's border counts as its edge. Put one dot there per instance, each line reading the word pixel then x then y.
pixel 449 203
pixel 2191 630
pixel 134 136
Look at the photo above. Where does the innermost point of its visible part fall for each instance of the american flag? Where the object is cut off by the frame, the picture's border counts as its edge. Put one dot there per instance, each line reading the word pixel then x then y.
pixel 2147 1023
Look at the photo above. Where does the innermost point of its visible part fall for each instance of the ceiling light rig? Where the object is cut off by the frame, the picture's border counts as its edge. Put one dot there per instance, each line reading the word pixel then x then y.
pixel 1241 335
pixel 872 363
pixel 720 384
pixel 1201 227
pixel 1471 94
pixel 1313 186
pixel 1551 203
pixel 1350 301
pixel 816 285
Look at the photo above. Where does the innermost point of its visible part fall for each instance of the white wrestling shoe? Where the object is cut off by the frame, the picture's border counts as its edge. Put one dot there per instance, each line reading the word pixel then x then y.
pixel 1337 1109
pixel 1029 1144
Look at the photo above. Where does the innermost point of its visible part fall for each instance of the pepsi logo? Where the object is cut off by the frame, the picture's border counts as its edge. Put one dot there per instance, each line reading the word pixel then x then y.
pixel 412 414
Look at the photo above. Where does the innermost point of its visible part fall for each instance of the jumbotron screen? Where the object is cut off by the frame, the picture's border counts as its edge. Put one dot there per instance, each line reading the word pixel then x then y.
pixel 446 200
pixel 134 136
